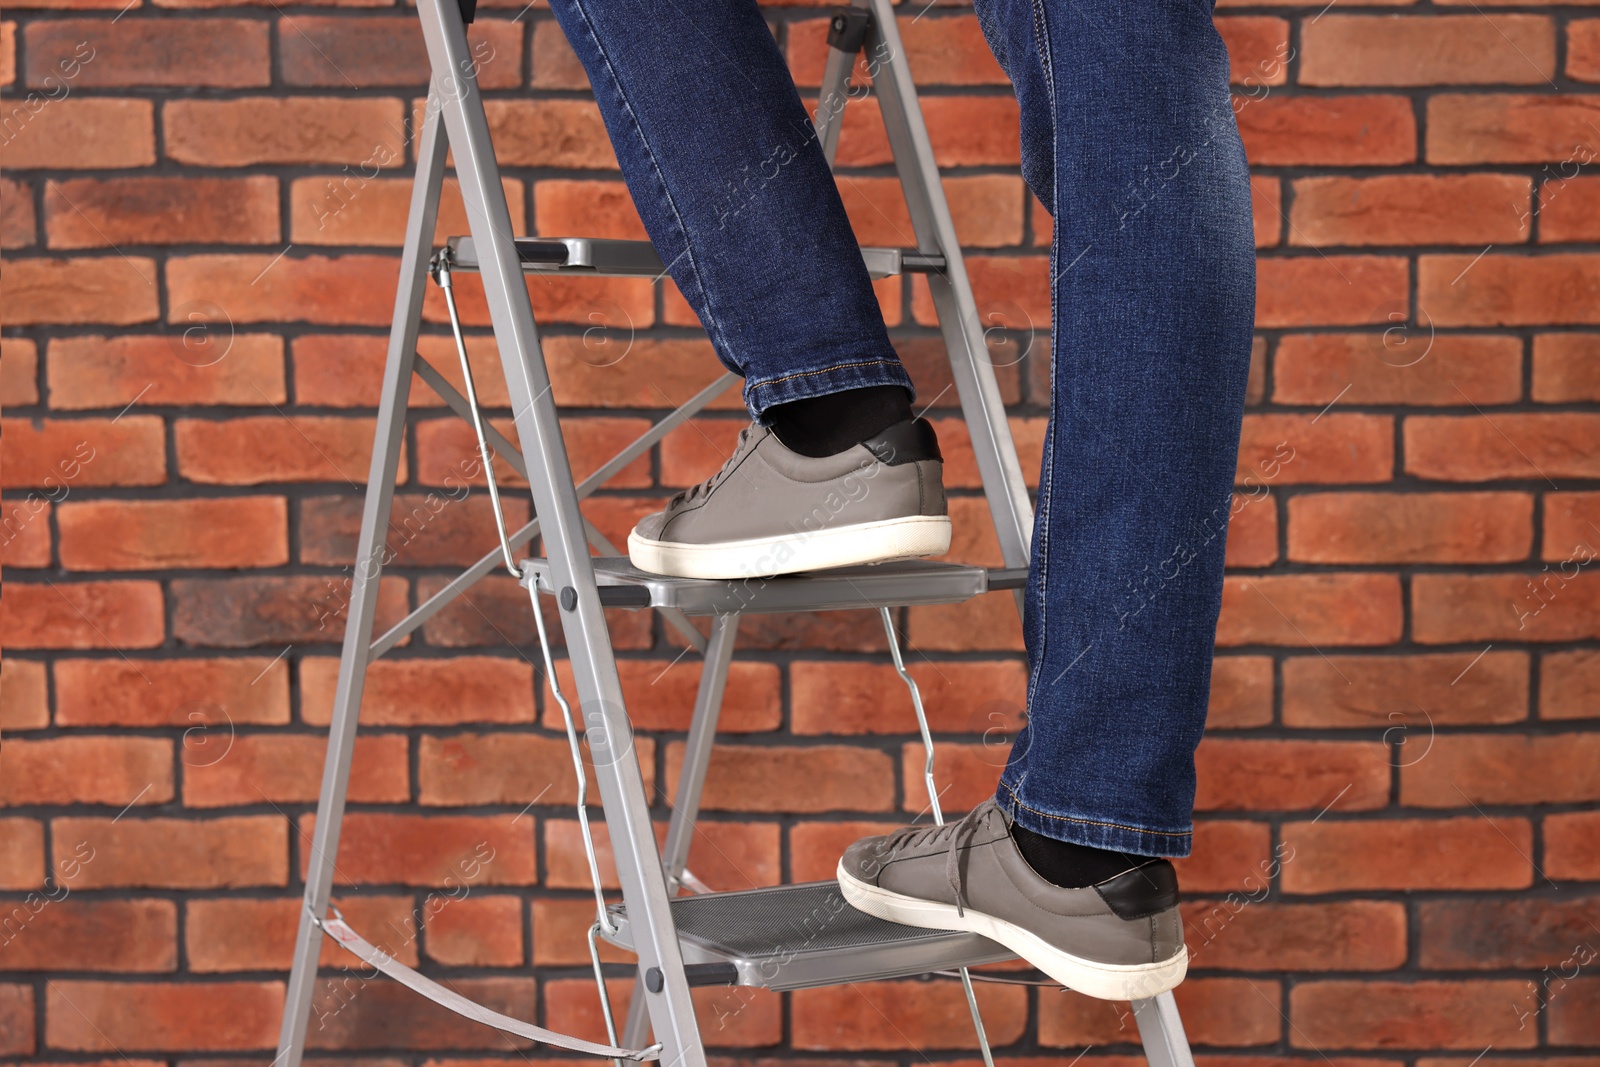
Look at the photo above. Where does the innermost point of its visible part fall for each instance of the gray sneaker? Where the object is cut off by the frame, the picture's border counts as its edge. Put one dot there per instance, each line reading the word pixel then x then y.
pixel 772 511
pixel 1119 940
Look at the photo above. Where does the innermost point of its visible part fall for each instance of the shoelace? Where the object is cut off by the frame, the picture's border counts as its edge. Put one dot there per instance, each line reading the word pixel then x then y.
pixel 953 832
pixel 697 492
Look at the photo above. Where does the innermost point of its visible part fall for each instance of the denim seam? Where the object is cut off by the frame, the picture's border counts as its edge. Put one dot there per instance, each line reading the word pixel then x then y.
pixel 763 383
pixel 713 327
pixel 1093 822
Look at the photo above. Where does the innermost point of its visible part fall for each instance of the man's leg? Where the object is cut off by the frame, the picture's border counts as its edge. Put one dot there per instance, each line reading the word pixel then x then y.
pixel 724 166
pixel 1129 137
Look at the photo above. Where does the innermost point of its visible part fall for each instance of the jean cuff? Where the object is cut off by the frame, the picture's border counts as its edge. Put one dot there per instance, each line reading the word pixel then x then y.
pixel 1095 832
pixel 857 372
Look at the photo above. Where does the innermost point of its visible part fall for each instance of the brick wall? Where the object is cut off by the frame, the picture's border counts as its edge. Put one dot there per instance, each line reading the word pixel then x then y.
pixel 1398 847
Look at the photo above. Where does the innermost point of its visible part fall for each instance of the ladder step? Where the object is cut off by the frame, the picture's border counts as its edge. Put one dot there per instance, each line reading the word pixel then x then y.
pixel 881 585
pixel 599 256
pixel 801 936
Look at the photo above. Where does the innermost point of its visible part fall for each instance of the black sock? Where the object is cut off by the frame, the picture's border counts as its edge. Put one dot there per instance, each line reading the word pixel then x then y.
pixel 1067 865
pixel 827 425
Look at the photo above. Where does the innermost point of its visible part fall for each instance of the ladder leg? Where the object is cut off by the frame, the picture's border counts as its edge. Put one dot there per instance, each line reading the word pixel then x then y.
pixel 691 780
pixel 571 570
pixel 356 653
pixel 1165 1044
pixel 952 291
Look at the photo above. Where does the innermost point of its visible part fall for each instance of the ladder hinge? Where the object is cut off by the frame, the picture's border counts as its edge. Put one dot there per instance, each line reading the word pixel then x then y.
pixel 847 31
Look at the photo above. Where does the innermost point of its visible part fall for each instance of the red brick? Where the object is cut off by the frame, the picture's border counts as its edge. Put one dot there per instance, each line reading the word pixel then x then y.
pixel 1404 364
pixel 815 846
pixel 1501 770
pixel 617 307
pixel 1491 933
pixel 1573 1005
pixel 961 465
pixel 26 521
pixel 246 850
pixel 17 226
pixel 1407 854
pixel 376 50
pixel 138 535
pixel 1365 1014
pixel 563 134
pixel 427 530
pixel 106 289
pixel 287 769
pixel 555 64
pixel 140 53
pixel 869 698
pixel 731 855
pixel 1266 211
pixel 262 449
pixel 1488 49
pixel 1569 685
pixel 1408 209
pixel 61 934
pixel 740 1017
pixel 1242 932
pixel 747 778
pixel 87 770
pixel 1216 1011
pixel 1470 448
pixel 1410 527
pixel 1507 127
pixel 477 931
pixel 178 369
pixel 117 615
pixel 885 1015
pixel 1252 532
pixel 357 209
pixel 940 51
pixel 432 850
pixel 447 451
pixel 1566 367
pixel 345 370
pixel 1258 47
pixel 108 212
pixel 587 206
pixel 506 769
pixel 233 934
pixel 1572 845
pixel 1310 610
pixel 81 134
pixel 21 859
pixel 654 373
pixel 986 624
pixel 1506 607
pixel 354 1011
pixel 417 692
pixel 1341 131
pixel 660 695
pixel 1011 291
pixel 498 606
pixel 204 693
pixel 965 775
pixel 24 696
pixel 1405 693
pixel 1568 208
pixel 16 1014
pixel 367 132
pixel 113 1017
pixel 966 131
pixel 83 453
pixel 1510 290
pixel 1241 692
pixel 1277 775
pixel 1583 50
pixel 987 210
pixel 1319 290
pixel 19 372
pixel 559 926
pixel 340 290
pixel 241 612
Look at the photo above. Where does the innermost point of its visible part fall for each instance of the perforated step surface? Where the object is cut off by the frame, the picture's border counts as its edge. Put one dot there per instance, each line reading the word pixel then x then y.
pixel 799 936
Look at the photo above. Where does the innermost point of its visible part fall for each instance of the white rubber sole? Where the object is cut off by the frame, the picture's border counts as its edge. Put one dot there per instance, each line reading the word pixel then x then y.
pixel 1105 981
pixel 911 537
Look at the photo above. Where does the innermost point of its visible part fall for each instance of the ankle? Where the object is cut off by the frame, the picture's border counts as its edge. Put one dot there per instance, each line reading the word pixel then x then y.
pixel 1068 865
pixel 827 425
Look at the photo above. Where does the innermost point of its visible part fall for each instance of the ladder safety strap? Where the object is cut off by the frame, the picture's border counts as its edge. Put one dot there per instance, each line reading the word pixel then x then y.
pixel 337 929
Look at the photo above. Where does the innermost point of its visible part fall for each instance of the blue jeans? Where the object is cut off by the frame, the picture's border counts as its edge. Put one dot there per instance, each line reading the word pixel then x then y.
pixel 1128 137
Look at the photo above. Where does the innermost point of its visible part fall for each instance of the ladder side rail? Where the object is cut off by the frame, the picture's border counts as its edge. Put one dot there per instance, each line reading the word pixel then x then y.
pixel 370 549
pixel 556 503
pixel 974 376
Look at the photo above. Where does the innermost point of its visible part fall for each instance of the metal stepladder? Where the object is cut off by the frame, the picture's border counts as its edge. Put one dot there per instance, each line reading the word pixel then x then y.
pixel 786 937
